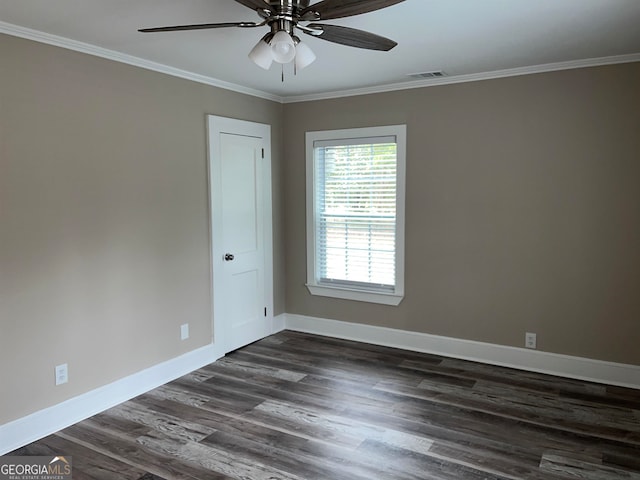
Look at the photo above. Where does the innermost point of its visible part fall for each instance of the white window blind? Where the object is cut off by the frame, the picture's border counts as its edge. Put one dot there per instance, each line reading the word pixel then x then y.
pixel 355 184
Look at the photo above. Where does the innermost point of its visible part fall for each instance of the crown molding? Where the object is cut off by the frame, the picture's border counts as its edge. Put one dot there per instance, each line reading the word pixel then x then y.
pixel 89 49
pixel 472 77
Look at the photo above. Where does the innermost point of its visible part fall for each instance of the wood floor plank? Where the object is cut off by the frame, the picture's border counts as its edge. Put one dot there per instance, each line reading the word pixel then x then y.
pixel 423 466
pixel 455 433
pixel 212 459
pixel 132 452
pixel 538 409
pixel 283 459
pixel 317 342
pixel 246 369
pixel 87 464
pixel 576 468
pixel 621 459
pixel 484 459
pixel 173 426
pixel 296 406
pixel 303 392
pixel 234 425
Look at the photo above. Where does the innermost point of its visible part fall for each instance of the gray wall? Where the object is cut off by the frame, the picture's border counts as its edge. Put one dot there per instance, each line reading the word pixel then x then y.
pixel 523 214
pixel 523 210
pixel 104 221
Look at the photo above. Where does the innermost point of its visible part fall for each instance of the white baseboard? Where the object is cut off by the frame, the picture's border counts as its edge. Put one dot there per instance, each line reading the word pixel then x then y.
pixel 28 429
pixel 279 323
pixel 524 359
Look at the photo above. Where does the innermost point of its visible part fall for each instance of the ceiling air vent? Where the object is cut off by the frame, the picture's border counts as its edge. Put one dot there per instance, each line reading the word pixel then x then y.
pixel 435 74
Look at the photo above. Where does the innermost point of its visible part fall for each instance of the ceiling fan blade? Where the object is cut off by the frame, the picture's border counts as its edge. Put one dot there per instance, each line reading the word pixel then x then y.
pixel 330 9
pixel 351 37
pixel 201 26
pixel 256 4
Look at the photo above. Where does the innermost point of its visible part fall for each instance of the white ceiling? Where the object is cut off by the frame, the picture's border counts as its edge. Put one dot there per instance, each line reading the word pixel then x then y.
pixel 461 37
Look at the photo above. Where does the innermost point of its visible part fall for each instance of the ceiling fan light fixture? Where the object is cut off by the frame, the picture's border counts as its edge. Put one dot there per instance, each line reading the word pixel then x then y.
pixel 283 48
pixel 261 54
pixel 285 17
pixel 304 56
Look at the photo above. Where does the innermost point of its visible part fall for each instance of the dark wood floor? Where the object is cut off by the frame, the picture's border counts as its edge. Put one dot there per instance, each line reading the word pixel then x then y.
pixel 304 407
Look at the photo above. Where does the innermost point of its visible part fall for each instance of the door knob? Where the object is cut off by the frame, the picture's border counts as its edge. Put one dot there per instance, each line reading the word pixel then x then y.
pixel 228 257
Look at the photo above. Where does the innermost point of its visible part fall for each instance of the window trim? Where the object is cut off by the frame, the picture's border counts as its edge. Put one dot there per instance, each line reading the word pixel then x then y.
pixel 351 293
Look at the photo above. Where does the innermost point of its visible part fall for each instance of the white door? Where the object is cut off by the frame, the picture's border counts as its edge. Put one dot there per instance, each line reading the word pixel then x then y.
pixel 240 191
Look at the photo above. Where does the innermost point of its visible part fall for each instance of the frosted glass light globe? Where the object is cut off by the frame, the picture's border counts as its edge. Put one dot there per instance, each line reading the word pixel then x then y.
pixel 261 54
pixel 282 47
pixel 304 56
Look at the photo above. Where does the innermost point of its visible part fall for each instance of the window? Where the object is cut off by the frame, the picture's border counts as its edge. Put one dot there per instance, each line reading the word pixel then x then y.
pixel 355 213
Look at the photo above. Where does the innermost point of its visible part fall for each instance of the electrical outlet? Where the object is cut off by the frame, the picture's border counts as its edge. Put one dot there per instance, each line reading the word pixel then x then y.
pixel 184 331
pixel 530 340
pixel 62 374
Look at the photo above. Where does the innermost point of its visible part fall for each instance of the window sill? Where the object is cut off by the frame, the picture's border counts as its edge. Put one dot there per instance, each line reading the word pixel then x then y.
pixel 357 295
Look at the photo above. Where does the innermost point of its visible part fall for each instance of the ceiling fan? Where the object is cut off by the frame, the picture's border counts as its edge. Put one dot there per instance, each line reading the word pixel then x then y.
pixel 284 17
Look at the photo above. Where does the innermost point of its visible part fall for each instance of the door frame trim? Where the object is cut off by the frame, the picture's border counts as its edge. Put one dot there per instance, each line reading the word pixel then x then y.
pixel 215 126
